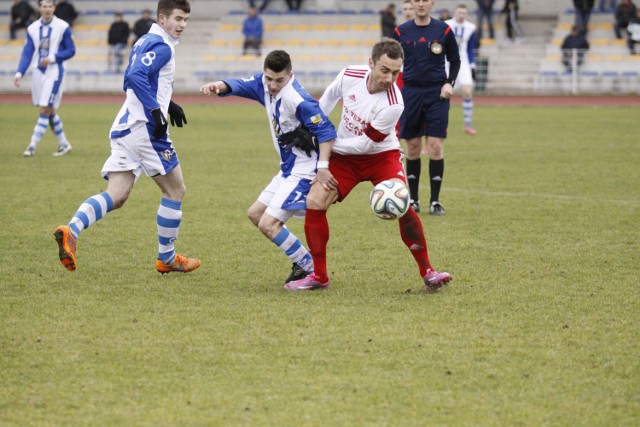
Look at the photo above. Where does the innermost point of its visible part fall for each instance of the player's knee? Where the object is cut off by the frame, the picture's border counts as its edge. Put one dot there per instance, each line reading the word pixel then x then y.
pixel 119 199
pixel 320 199
pixel 253 216
pixel 176 193
pixel 269 226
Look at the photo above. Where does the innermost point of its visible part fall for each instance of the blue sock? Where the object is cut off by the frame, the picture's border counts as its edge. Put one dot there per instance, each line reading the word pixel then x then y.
pixel 168 220
pixel 39 129
pixel 294 249
pixel 92 210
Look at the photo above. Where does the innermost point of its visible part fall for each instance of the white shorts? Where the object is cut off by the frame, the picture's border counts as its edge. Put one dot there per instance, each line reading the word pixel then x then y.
pixel 286 197
pixel 47 87
pixel 135 152
pixel 464 75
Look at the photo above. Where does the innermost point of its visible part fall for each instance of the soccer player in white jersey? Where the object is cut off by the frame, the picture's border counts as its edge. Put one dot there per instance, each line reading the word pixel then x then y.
pixel 49 42
pixel 288 106
pixel 140 143
pixel 367 149
pixel 465 33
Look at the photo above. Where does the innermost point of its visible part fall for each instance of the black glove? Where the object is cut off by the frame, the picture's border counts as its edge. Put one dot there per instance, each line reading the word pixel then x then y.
pixel 473 73
pixel 161 123
pixel 176 114
pixel 299 137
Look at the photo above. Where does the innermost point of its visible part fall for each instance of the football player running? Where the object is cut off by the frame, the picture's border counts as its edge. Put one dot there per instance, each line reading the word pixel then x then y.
pixel 366 149
pixel 140 143
pixel 297 126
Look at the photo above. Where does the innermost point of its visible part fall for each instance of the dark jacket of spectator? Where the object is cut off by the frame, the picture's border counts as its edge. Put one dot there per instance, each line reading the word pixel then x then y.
pixel 142 25
pixel 66 12
pixel 625 12
pixel 119 33
pixel 22 15
pixel 584 5
pixel 388 20
pixel 575 40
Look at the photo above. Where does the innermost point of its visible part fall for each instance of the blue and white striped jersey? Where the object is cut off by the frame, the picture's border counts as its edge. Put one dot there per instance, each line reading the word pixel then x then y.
pixel 291 107
pixel 47 40
pixel 148 80
pixel 465 33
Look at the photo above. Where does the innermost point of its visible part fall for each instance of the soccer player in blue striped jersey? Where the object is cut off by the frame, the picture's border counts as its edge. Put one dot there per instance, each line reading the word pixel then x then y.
pixel 427 90
pixel 465 33
pixel 49 41
pixel 140 143
pixel 288 106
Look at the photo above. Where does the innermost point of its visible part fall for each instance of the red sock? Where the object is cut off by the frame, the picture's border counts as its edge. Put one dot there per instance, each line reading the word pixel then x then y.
pixel 316 229
pixel 413 237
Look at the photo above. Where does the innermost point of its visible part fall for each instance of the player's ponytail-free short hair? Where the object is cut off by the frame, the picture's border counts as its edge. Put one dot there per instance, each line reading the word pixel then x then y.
pixel 166 7
pixel 392 48
pixel 277 61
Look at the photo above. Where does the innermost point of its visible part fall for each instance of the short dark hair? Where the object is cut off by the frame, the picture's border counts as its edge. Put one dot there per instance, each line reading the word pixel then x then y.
pixel 166 6
pixel 392 48
pixel 277 61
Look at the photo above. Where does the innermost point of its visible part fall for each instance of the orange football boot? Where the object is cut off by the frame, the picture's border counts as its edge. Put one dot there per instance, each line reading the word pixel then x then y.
pixel 181 264
pixel 66 247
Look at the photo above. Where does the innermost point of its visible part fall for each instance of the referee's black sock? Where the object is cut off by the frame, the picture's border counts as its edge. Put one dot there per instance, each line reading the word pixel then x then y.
pixel 413 177
pixel 436 171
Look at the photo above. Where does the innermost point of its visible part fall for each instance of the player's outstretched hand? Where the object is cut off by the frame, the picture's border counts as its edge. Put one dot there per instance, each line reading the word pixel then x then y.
pixel 473 72
pixel 214 87
pixel 161 123
pixel 176 114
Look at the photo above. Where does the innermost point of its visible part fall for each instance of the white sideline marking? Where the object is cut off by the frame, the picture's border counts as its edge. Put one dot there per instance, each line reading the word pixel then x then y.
pixel 635 203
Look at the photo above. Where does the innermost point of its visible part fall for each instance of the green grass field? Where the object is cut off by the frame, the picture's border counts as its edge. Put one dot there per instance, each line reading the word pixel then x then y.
pixel 538 327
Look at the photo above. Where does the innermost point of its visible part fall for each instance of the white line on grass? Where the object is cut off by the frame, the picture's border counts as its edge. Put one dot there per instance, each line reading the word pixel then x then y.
pixel 634 203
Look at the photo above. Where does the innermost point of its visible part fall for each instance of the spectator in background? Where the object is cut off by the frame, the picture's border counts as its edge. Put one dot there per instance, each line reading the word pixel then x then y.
pixel 574 44
pixel 634 33
pixel 485 10
pixel 252 29
pixel 22 15
pixel 263 6
pixel 142 25
pixel 625 12
pixel 583 14
pixel 118 40
pixel 294 5
pixel 66 12
pixel 602 5
pixel 388 20
pixel 445 15
pixel 510 10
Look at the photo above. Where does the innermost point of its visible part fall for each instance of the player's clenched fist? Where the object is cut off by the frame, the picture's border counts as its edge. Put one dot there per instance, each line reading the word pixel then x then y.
pixel 218 88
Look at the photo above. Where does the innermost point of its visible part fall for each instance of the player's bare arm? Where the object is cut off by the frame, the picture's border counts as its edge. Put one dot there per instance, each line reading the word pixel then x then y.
pixel 218 88
pixel 324 176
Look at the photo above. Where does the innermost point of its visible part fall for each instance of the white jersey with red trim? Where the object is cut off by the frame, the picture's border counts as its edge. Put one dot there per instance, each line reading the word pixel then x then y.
pixel 368 121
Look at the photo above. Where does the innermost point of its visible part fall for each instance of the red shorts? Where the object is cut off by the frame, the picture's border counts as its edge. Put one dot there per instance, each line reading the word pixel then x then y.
pixel 350 170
